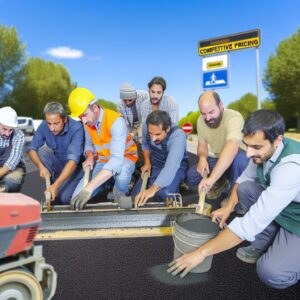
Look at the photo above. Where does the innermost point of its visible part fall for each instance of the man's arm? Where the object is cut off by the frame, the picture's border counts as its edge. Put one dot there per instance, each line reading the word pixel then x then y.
pixel 222 242
pixel 67 171
pixel 33 155
pixel 3 171
pixel 117 150
pixel 224 161
pixel 202 152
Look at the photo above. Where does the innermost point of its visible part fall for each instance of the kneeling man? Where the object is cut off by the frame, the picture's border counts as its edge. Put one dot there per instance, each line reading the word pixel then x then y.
pixel 164 149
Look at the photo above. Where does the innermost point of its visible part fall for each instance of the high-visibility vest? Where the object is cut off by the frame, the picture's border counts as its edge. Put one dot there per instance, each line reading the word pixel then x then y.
pixel 102 141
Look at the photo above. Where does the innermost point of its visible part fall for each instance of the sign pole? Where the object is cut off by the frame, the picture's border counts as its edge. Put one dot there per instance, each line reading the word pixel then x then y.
pixel 257 79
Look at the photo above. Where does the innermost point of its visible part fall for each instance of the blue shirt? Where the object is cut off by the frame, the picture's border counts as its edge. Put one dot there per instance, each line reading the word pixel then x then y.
pixel 284 188
pixel 68 145
pixel 119 133
pixel 176 146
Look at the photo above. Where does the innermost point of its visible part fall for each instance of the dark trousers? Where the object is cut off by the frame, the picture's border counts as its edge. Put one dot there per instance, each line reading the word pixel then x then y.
pixel 279 266
pixel 236 168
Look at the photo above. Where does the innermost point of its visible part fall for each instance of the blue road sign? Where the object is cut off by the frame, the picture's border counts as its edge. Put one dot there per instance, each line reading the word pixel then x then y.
pixel 215 79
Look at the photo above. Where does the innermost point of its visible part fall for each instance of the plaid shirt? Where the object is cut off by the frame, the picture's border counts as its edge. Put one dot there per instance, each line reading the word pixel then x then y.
pixel 142 96
pixel 16 141
pixel 167 104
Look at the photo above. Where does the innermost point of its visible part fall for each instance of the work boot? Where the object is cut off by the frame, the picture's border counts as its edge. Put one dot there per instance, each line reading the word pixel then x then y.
pixel 249 254
pixel 2 189
pixel 112 195
pixel 183 186
pixel 221 186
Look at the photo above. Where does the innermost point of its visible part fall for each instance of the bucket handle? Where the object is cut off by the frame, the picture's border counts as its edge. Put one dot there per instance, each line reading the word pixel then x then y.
pixel 187 234
pixel 184 242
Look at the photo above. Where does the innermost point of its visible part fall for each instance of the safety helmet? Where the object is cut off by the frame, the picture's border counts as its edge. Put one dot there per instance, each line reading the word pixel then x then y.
pixel 8 117
pixel 79 100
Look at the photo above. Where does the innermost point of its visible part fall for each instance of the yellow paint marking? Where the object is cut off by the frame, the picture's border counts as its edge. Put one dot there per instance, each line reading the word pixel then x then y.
pixel 105 233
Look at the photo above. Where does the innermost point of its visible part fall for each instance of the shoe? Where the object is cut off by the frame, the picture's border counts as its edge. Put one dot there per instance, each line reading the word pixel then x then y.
pixel 2 189
pixel 249 254
pixel 238 210
pixel 221 186
pixel 183 186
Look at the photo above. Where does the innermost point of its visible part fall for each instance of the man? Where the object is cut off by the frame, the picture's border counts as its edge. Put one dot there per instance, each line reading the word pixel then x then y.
pixel 12 164
pixel 164 149
pixel 219 146
pixel 269 191
pixel 130 107
pixel 56 150
pixel 108 142
pixel 159 101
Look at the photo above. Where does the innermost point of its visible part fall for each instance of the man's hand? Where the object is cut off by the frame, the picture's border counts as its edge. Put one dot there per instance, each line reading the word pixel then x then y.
pixel 53 190
pixel 142 197
pixel 220 215
pixel 44 172
pixel 146 167
pixel 185 263
pixel 205 184
pixel 88 162
pixel 202 166
pixel 79 201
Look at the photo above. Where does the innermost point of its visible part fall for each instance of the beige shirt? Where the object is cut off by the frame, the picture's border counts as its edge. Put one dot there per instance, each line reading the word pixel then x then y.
pixel 230 127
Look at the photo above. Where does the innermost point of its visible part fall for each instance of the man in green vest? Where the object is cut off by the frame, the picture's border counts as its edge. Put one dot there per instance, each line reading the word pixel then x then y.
pixel 269 192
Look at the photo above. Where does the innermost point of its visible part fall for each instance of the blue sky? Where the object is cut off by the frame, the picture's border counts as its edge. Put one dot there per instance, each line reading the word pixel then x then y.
pixel 115 41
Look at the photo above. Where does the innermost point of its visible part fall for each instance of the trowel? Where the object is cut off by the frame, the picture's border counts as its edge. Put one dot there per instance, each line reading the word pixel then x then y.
pixel 144 183
pixel 203 208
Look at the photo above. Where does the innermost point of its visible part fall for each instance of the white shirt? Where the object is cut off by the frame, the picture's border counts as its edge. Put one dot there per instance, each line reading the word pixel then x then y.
pixel 284 188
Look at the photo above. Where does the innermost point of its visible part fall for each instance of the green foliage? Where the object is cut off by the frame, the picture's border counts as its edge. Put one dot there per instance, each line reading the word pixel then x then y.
pixel 38 83
pixel 107 104
pixel 282 75
pixel 191 117
pixel 245 105
pixel 12 53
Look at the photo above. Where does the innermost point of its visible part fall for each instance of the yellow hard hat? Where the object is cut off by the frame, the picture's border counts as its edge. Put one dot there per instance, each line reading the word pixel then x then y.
pixel 79 100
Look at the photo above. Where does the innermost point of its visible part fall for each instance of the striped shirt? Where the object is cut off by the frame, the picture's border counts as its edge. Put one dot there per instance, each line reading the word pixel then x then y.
pixel 16 142
pixel 167 104
pixel 127 112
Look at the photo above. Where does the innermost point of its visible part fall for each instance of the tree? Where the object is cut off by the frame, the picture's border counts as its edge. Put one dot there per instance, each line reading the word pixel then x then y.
pixel 192 118
pixel 107 104
pixel 12 53
pixel 281 77
pixel 248 103
pixel 38 83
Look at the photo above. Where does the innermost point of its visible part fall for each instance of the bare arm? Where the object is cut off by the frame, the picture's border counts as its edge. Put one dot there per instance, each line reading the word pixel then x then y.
pixel 147 162
pixel 224 241
pixel 33 155
pixel 225 160
pixel 202 152
pixel 99 179
pixel 3 171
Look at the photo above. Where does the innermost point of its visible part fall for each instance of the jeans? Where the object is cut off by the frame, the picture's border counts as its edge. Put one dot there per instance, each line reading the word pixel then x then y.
pixel 122 179
pixel 162 194
pixel 55 167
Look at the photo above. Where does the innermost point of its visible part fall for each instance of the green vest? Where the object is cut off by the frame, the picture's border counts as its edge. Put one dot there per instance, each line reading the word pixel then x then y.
pixel 289 218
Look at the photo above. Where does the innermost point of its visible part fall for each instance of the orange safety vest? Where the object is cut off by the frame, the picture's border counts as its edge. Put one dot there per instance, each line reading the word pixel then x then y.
pixel 102 142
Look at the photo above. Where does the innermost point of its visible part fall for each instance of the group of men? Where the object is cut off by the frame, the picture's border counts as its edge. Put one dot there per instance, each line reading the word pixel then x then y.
pixel 107 142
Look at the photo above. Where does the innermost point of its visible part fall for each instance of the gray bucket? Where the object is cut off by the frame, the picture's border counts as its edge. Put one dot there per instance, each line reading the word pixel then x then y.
pixel 190 231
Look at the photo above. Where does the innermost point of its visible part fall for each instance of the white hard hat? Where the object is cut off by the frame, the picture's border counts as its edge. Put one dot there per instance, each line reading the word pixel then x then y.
pixel 8 117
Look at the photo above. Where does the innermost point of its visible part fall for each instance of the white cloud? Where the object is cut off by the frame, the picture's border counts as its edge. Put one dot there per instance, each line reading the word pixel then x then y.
pixel 65 52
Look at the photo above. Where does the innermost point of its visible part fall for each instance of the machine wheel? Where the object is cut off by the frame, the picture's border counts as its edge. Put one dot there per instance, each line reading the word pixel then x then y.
pixel 19 285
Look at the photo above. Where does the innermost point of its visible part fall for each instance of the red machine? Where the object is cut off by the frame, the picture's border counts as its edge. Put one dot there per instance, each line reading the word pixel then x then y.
pixel 23 271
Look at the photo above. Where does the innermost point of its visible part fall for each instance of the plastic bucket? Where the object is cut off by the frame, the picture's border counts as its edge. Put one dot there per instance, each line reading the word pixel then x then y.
pixel 190 231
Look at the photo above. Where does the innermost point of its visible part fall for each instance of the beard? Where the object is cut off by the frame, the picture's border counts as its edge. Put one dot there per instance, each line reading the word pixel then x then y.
pixel 259 159
pixel 155 101
pixel 214 123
